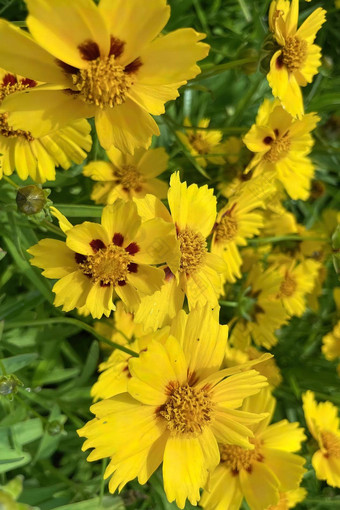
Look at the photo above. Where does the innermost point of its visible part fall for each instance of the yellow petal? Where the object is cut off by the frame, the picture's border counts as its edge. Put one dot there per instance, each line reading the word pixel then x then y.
pixel 20 54
pixel 41 111
pixel 99 171
pixel 121 218
pixel 80 236
pixel 61 27
pixel 54 257
pixel 126 126
pixel 286 466
pixel 136 23
pixel 161 64
pixel 184 470
pixel 260 487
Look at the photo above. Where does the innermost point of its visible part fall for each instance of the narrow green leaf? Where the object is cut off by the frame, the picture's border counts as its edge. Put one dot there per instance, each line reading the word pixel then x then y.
pixel 15 363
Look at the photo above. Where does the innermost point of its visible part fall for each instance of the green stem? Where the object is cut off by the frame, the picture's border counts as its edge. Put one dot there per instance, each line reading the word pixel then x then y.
pixel 12 183
pixel 268 240
pixel 232 304
pixel 245 10
pixel 102 483
pixel 201 16
pixel 221 68
pixel 74 322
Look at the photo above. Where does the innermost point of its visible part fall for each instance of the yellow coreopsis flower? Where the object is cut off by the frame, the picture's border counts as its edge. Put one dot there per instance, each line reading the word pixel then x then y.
pixel 324 425
pixel 203 142
pixel 263 314
pixel 104 61
pixel 127 176
pixel 260 475
pixel 100 261
pixel 178 406
pixel 282 145
pixel 199 277
pixel 297 60
pixel 268 368
pixel 239 220
pixel 38 157
pixel 331 344
pixel 298 281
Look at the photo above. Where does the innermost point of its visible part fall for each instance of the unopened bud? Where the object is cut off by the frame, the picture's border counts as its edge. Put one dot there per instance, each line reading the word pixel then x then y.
pixel 54 428
pixel 31 199
pixel 9 385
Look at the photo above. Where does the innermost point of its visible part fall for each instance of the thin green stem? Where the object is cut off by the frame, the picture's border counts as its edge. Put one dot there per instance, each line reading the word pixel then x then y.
pixel 268 240
pixel 245 10
pixel 12 183
pixel 232 304
pixel 74 322
pixel 201 16
pixel 221 68
pixel 102 483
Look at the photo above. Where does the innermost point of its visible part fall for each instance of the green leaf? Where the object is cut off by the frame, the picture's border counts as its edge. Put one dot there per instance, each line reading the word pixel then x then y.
pixel 27 431
pixel 12 459
pixel 110 503
pixel 15 363
pixel 80 211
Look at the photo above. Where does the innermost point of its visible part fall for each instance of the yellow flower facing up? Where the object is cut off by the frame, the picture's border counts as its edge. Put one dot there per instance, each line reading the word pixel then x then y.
pixel 104 61
pixel 323 423
pixel 281 145
pixel 297 60
pixel 298 281
pixel 126 176
pixel 101 261
pixel 239 220
pixel 260 475
pixel 199 277
pixel 38 157
pixel 263 314
pixel 178 406
pixel 203 142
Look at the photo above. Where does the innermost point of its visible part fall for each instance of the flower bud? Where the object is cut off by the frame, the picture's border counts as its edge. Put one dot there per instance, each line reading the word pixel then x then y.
pixel 31 199
pixel 9 385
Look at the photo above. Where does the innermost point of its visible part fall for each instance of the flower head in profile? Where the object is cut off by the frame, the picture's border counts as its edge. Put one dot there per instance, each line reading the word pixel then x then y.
pixel 261 475
pixel 127 176
pixel 202 142
pixel 324 425
pixel 199 276
pixel 101 261
pixel 298 59
pixel 105 61
pixel 239 220
pixel 38 157
pixel 281 145
pixel 177 407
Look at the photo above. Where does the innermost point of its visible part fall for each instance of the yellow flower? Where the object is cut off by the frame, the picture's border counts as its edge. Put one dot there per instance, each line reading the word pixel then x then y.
pixel 202 142
pixel 100 261
pixel 289 499
pixel 193 211
pixel 263 315
pixel 323 423
pixel 260 475
pixel 123 330
pixel 282 145
pixel 268 368
pixel 104 61
pixel 298 280
pixel 38 157
pixel 179 405
pixel 238 221
pixel 331 343
pixel 126 176
pixel 297 60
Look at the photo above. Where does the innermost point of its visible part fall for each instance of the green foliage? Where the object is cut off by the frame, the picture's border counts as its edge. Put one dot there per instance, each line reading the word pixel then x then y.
pixel 55 356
